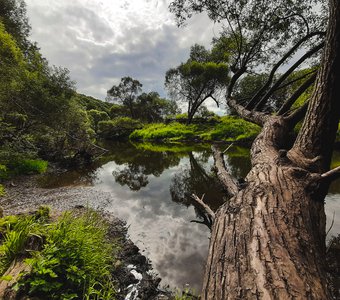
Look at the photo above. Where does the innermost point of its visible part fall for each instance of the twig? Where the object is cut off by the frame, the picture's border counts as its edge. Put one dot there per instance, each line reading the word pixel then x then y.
pixel 226 150
pixel 330 227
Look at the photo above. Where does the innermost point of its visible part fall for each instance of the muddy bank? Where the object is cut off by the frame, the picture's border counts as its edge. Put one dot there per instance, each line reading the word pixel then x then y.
pixel 135 279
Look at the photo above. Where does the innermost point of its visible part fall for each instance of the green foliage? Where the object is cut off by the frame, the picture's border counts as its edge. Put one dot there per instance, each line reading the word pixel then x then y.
pixel 199 78
pixel 118 128
pixel 88 103
pixel 75 261
pixel 228 129
pixel 126 93
pixel 232 129
pixel 3 172
pixel 15 232
pixel 97 116
pixel 2 190
pixel 117 110
pixel 171 132
pixel 28 166
pixel 13 16
pixel 45 118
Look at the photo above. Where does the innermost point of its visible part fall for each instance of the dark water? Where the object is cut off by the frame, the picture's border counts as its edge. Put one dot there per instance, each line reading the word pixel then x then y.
pixel 151 187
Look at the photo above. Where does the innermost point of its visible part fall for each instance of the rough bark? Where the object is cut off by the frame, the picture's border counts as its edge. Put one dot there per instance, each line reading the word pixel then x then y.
pixel 268 241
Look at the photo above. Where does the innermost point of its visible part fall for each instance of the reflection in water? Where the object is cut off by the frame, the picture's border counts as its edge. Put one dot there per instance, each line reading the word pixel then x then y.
pixel 151 191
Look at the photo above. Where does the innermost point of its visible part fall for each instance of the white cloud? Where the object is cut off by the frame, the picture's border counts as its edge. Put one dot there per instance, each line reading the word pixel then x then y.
pixel 100 41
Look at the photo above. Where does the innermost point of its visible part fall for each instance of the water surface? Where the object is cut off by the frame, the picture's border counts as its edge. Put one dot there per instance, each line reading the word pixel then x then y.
pixel 151 187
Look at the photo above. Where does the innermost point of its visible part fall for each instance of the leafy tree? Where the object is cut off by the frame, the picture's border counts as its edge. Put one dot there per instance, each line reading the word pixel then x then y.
pixel 13 16
pixel 125 92
pixel 151 108
pixel 196 80
pixel 268 240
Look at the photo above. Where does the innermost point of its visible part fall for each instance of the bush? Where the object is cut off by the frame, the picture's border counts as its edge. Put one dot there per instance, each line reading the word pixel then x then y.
pixel 171 132
pixel 118 128
pixel 27 166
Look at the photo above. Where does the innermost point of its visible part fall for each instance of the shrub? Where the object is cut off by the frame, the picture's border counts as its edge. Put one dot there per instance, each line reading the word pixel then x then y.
pixel 171 132
pixel 28 166
pixel 118 128
pixel 96 116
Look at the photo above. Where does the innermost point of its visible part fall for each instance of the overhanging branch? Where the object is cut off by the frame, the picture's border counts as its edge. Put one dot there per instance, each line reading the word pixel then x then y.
pixel 253 116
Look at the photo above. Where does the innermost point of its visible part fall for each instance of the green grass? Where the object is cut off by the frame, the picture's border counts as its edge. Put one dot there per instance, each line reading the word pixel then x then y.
pixel 229 129
pixel 19 166
pixel 74 262
pixel 164 132
pixel 232 129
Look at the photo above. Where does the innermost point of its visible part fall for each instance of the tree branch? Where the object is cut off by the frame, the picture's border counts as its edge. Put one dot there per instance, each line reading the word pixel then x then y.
pixel 297 115
pixel 264 99
pixel 223 175
pixel 331 174
pixel 256 97
pixel 253 116
pixel 205 208
pixel 290 101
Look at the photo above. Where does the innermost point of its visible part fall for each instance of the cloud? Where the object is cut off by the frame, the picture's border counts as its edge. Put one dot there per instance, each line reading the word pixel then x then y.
pixel 101 41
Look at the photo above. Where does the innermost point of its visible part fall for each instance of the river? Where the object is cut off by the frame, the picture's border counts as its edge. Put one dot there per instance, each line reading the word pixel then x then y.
pixel 150 187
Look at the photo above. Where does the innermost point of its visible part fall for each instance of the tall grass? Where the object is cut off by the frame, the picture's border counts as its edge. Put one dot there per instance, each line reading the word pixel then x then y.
pixel 74 262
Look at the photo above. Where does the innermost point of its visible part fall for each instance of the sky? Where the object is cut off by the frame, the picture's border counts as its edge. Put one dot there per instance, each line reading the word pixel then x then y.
pixel 101 41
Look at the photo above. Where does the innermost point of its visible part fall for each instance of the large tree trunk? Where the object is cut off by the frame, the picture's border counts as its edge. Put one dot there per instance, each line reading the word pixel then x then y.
pixel 268 241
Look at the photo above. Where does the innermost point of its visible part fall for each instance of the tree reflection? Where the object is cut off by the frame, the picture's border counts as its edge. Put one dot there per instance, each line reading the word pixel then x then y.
pixel 195 179
pixel 138 165
pixel 134 178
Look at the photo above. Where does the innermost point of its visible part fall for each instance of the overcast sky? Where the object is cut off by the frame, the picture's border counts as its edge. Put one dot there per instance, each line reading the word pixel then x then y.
pixel 100 41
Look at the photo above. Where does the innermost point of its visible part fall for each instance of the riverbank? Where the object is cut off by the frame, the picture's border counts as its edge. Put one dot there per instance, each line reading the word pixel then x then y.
pixel 133 273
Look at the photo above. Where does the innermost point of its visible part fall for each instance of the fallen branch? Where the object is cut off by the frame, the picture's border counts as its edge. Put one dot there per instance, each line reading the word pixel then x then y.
pixel 223 175
pixel 207 211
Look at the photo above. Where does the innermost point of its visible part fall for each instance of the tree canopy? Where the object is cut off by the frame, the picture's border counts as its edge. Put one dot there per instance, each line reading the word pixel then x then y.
pixel 196 80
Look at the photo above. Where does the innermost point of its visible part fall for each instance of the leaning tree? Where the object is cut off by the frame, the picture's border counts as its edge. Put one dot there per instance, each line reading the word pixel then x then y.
pixel 268 240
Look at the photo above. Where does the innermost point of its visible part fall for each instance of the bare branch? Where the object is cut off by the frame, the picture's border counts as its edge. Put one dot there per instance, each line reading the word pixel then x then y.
pixel 223 175
pixel 256 117
pixel 331 174
pixel 264 99
pixel 205 208
pixel 257 96
pixel 298 114
pixel 290 101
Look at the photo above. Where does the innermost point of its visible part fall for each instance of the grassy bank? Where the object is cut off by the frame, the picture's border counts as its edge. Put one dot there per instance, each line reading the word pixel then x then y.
pixel 67 258
pixel 226 129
